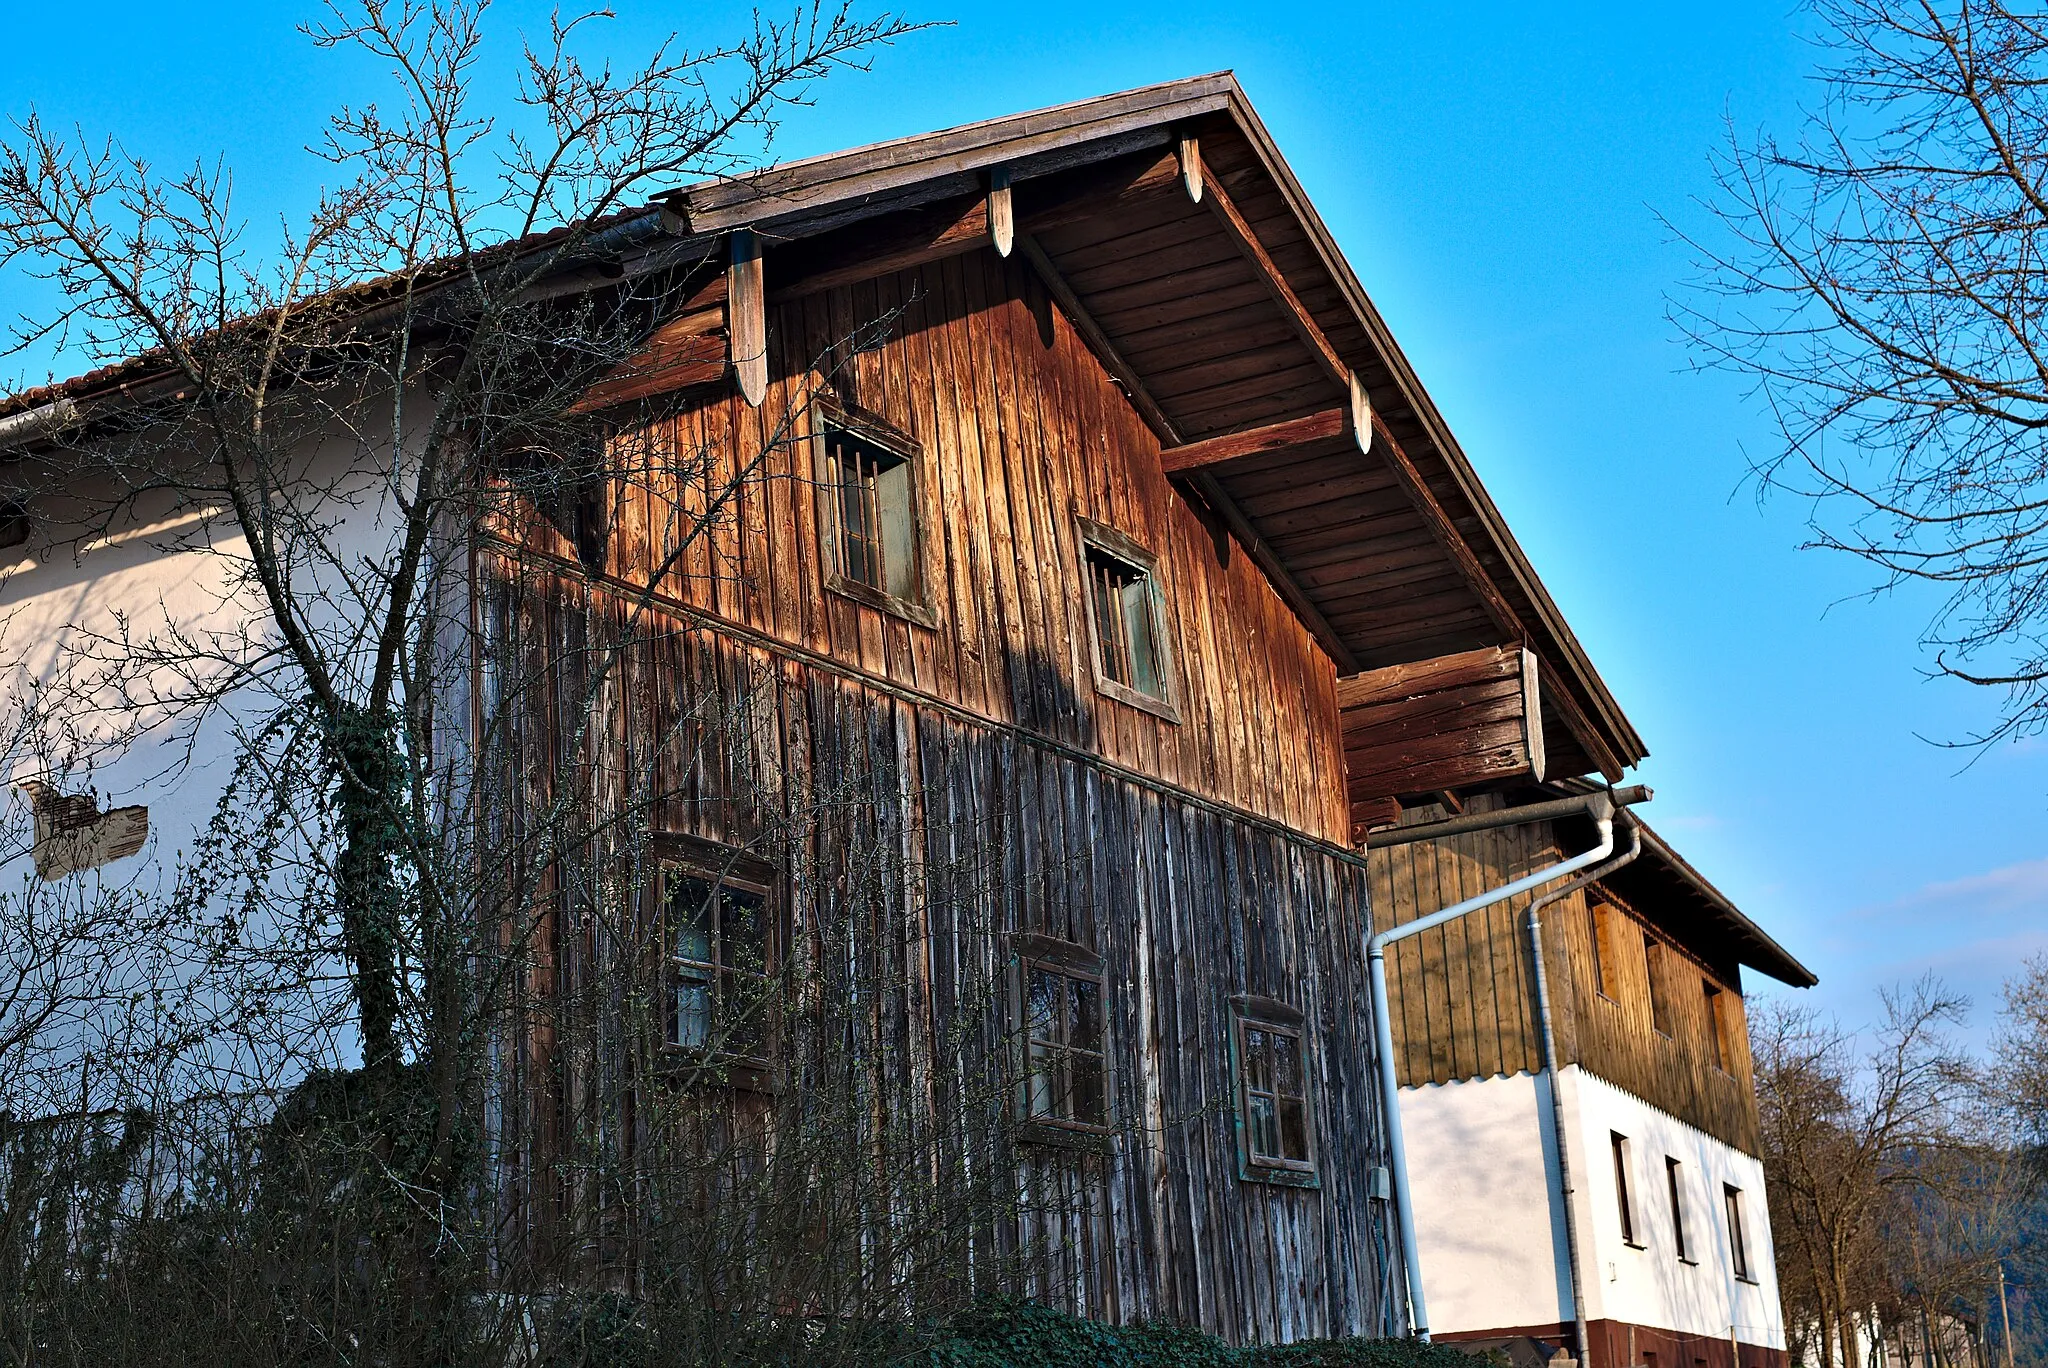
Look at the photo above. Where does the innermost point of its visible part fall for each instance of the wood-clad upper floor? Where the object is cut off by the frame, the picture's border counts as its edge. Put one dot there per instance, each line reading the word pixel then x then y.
pixel 1023 456
pixel 1645 978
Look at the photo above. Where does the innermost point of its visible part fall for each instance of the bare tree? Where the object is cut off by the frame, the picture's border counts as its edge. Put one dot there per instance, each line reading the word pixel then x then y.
pixel 1881 277
pixel 428 801
pixel 1876 1158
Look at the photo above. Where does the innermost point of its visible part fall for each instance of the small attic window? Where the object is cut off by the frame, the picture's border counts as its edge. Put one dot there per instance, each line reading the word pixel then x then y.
pixel 1124 619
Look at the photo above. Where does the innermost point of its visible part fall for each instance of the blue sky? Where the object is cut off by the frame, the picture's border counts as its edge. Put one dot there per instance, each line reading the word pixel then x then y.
pixel 1495 175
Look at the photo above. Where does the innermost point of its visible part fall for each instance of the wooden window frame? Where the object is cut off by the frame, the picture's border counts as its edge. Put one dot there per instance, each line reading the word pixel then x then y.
pixel 1030 951
pixel 1717 1033
pixel 721 865
pixel 1248 1011
pixel 1624 1190
pixel 1104 540
pixel 827 418
pixel 1600 915
pixel 1654 951
pixel 1674 1181
pixel 1738 1233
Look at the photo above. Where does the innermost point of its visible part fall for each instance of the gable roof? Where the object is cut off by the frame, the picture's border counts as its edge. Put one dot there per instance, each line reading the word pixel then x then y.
pixel 1392 555
pixel 1222 317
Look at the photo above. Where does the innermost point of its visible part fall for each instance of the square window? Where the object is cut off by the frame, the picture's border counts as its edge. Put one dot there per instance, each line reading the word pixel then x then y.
pixel 1125 624
pixel 721 945
pixel 1270 1077
pixel 1064 1084
pixel 868 518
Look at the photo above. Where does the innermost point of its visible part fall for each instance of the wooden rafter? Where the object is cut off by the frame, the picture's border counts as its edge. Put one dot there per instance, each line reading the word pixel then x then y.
pixel 1212 493
pixel 1232 446
pixel 1254 251
pixel 746 311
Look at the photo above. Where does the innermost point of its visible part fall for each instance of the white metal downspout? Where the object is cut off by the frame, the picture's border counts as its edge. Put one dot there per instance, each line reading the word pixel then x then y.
pixel 1598 806
pixel 1549 1059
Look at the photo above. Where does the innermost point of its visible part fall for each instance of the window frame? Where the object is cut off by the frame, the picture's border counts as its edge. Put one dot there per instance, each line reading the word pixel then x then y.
pixel 1251 1012
pixel 1600 915
pixel 721 866
pixel 1654 952
pixel 1738 1233
pixel 1674 1179
pixel 1102 539
pixel 1031 951
pixel 827 418
pixel 1624 1190
pixel 1717 1035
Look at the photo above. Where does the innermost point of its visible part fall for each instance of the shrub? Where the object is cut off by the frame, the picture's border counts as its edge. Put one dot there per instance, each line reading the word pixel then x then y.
pixel 1018 1334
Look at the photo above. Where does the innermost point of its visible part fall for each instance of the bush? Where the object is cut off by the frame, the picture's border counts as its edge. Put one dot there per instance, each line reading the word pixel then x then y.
pixel 1016 1334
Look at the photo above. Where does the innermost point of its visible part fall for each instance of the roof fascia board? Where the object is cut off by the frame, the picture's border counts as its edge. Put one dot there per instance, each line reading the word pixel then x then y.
pixel 1031 144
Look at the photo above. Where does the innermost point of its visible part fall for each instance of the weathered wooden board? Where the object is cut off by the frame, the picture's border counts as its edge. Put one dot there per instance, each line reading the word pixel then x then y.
pixel 1440 724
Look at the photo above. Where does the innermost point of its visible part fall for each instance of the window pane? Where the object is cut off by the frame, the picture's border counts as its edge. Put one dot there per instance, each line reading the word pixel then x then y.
pixel 1263 1126
pixel 1293 1129
pixel 898 519
pixel 1258 1072
pixel 1041 1004
pixel 689 917
pixel 1040 1084
pixel 1105 601
pixel 691 1012
pixel 1087 1096
pixel 743 930
pixel 1137 609
pixel 1286 1064
pixel 1084 1014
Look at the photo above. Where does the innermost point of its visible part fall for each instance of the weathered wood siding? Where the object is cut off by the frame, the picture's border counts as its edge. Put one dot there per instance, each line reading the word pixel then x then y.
pixel 1463 1002
pixel 1202 858
pixel 1187 903
pixel 1022 432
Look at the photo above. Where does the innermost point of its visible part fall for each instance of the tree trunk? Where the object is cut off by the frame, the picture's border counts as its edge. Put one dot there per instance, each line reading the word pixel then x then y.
pixel 367 797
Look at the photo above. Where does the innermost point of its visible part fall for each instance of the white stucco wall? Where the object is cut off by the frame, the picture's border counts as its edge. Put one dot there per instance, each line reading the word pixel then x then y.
pixel 1485 1183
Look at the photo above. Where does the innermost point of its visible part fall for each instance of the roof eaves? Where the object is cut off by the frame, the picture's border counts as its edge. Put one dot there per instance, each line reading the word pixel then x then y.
pixel 1762 953
pixel 883 169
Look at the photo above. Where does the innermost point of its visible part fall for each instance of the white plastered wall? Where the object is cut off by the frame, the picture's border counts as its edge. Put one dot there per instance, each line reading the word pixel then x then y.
pixel 1488 1221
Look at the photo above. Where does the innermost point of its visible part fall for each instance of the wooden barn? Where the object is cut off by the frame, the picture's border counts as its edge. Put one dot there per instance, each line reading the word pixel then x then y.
pixel 1018 593
pixel 1081 503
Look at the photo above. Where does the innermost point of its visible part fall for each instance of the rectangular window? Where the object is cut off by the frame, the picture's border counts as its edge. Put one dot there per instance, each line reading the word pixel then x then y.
pixel 1653 970
pixel 722 947
pixel 1674 1178
pixel 1060 1004
pixel 1622 1196
pixel 1124 621
pixel 868 513
pixel 1269 1068
pixel 1717 1039
pixel 1738 1238
pixel 1601 917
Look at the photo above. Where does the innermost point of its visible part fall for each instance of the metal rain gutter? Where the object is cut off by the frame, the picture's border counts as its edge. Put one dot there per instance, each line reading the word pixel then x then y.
pixel 1549 1070
pixel 1601 808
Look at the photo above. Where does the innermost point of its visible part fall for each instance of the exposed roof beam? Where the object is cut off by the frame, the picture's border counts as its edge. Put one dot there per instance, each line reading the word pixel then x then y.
pixel 1254 251
pixel 1097 340
pixel 1212 493
pixel 1002 219
pixel 1231 446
